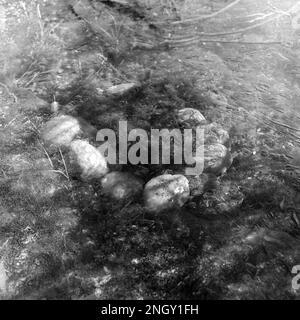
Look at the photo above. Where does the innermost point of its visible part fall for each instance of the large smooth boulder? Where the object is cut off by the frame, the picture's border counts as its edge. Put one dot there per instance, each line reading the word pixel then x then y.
pixel 86 160
pixel 217 158
pixel 190 117
pixel 121 185
pixel 63 129
pixel 165 192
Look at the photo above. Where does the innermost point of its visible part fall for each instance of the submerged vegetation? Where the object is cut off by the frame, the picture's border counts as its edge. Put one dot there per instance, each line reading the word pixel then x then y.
pixel 238 234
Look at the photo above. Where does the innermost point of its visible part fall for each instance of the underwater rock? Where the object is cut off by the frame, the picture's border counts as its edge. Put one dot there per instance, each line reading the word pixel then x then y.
pixel 214 133
pixel 86 160
pixel 63 129
pixel 190 117
pixel 217 158
pixel 165 192
pixel 55 107
pixel 121 89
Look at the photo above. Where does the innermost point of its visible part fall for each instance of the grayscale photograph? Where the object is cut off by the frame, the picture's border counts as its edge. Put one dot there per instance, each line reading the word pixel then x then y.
pixel 149 150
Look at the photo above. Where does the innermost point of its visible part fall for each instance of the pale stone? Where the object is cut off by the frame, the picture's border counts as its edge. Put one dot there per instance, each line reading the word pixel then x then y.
pixel 63 129
pixel 190 117
pixel 86 160
pixel 121 89
pixel 165 192
pixel 54 107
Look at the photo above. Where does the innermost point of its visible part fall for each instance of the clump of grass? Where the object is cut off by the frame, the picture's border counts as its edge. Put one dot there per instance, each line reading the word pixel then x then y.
pixel 31 51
